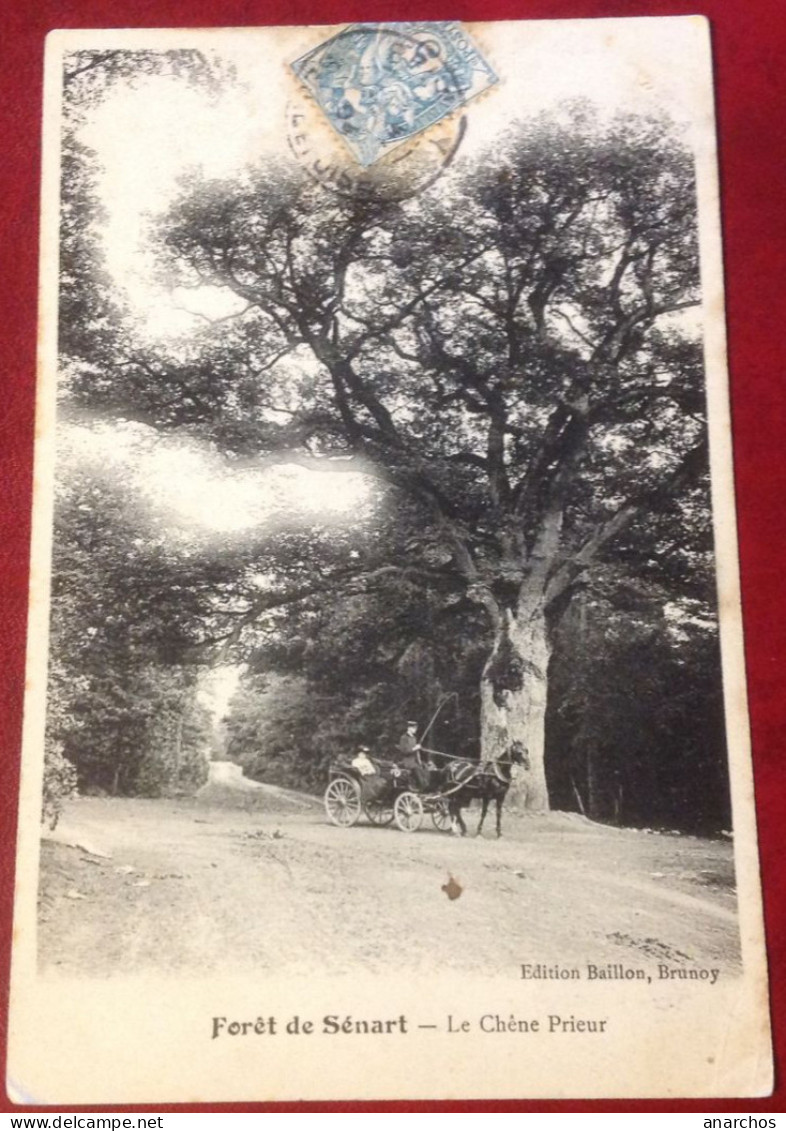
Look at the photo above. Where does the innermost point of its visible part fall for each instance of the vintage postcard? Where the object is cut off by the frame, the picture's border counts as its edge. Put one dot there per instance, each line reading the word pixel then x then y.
pixel 386 730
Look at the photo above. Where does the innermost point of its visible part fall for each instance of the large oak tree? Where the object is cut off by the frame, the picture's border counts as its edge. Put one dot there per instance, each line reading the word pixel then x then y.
pixel 511 355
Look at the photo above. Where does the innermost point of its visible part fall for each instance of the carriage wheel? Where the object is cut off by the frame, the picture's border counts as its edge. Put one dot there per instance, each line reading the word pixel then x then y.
pixel 441 817
pixel 408 812
pixel 342 802
pixel 379 812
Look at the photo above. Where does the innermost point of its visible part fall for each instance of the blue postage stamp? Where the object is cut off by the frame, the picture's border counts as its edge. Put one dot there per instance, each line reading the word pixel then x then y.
pixel 380 84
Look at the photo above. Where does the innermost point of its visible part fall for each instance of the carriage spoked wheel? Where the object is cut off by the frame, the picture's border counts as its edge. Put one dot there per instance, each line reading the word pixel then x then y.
pixel 408 812
pixel 342 802
pixel 440 815
pixel 379 812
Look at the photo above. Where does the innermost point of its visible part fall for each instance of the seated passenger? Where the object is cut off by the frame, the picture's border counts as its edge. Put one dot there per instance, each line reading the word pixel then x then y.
pixel 363 763
pixel 372 784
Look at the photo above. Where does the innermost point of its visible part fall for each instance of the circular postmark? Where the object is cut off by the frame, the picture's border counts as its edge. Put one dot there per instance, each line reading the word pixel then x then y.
pixel 406 170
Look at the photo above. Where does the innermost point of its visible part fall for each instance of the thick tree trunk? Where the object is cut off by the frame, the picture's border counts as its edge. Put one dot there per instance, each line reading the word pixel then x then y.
pixel 513 701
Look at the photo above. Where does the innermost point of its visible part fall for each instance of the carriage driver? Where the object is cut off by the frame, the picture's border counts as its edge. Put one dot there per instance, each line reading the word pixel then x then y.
pixel 408 743
pixel 408 746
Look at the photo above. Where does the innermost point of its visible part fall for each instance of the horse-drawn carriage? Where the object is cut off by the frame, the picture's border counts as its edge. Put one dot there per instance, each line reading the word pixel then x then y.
pixel 385 792
pixel 392 793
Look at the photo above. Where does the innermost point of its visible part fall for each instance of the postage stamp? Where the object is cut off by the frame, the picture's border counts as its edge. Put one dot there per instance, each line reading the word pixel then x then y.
pixel 381 84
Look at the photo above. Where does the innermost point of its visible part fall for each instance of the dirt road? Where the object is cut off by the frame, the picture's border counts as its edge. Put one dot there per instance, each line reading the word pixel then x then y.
pixel 244 877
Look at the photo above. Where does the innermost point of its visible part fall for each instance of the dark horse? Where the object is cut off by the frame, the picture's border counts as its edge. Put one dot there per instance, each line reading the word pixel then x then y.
pixel 489 781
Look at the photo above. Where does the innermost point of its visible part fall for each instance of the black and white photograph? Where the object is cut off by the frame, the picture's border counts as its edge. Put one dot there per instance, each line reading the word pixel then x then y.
pixel 386 713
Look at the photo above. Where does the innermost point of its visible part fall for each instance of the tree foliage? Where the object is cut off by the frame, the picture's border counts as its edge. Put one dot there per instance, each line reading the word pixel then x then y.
pixel 127 608
pixel 648 749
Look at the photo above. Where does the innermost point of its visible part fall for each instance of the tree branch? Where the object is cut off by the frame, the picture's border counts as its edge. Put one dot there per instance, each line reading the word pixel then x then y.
pixel 690 467
pixel 334 584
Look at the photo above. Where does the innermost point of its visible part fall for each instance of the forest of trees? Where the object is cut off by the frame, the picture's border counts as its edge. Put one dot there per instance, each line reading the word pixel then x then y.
pixel 509 360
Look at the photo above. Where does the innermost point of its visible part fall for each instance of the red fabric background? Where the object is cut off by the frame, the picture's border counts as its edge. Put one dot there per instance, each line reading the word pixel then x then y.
pixel 749 39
